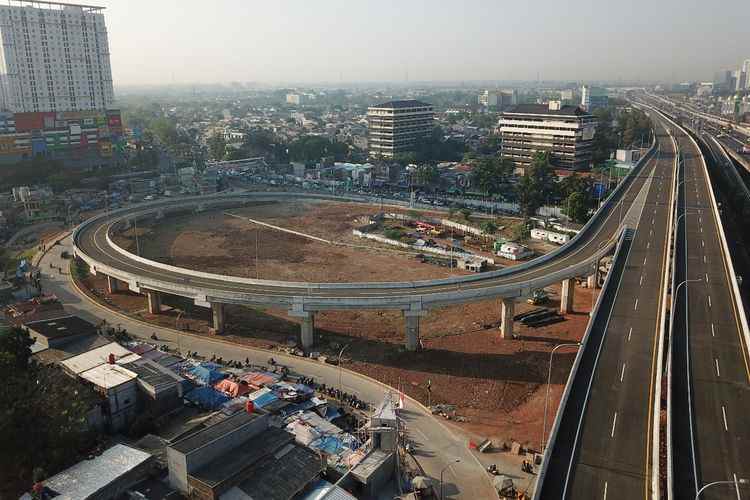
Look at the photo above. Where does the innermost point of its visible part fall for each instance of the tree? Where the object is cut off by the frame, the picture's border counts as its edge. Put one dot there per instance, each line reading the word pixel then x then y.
pixel 491 173
pixel 217 146
pixel 43 413
pixel 312 148
pixel 426 175
pixel 536 186
pixel 576 207
pixel 488 227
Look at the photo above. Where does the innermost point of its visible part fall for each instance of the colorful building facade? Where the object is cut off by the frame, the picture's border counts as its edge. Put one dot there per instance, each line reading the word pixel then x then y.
pixel 89 137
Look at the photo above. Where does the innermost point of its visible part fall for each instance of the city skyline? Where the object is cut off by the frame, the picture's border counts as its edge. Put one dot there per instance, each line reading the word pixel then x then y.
pixel 171 42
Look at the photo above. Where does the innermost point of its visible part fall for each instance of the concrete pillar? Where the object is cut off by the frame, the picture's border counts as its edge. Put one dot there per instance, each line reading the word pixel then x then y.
pixel 217 313
pixel 508 307
pixel 591 281
pixel 112 285
pixel 411 318
pixel 566 296
pixel 154 302
pixel 307 331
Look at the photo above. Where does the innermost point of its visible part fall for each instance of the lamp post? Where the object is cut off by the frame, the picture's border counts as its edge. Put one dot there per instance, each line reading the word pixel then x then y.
pixel 735 482
pixel 455 461
pixel 341 387
pixel 546 397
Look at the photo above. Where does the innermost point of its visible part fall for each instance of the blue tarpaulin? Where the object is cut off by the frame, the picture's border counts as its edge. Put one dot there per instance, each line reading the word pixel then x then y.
pixel 206 373
pixel 206 397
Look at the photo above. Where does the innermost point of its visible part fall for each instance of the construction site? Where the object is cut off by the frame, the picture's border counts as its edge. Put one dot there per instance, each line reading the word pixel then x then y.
pixel 489 386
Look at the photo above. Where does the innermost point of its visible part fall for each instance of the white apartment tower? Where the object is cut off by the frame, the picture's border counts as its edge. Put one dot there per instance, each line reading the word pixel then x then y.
pixel 54 57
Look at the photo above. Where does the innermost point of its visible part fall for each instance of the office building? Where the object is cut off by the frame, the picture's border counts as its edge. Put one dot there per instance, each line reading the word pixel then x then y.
pixel 395 126
pixel 593 98
pixel 296 99
pixel 565 132
pixel 740 80
pixel 56 85
pixel 55 57
pixel 489 98
pixel 746 70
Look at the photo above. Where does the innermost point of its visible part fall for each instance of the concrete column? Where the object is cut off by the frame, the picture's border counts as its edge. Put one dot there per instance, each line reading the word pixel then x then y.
pixel 307 331
pixel 591 281
pixel 508 307
pixel 112 285
pixel 411 318
pixel 217 313
pixel 154 302
pixel 566 295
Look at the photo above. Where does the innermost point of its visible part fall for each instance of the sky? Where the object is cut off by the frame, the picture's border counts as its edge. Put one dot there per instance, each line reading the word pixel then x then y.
pixel 309 41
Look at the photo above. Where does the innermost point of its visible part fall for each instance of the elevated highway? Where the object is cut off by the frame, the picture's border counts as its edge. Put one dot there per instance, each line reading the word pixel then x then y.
pixel 579 257
pixel 604 442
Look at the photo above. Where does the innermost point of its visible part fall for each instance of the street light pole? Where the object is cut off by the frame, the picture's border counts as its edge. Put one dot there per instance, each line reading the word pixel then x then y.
pixel 455 461
pixel 735 482
pixel 546 398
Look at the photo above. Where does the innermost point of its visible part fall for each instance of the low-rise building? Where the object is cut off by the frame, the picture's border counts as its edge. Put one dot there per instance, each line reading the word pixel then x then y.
pixel 109 475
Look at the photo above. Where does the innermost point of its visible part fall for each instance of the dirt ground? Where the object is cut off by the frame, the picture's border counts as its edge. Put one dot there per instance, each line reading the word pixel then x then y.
pixel 218 243
pixel 497 384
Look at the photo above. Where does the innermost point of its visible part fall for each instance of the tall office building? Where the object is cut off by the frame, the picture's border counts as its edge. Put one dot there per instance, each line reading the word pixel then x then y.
pixel 54 57
pixel 593 97
pixel 394 127
pixel 565 132
pixel 746 70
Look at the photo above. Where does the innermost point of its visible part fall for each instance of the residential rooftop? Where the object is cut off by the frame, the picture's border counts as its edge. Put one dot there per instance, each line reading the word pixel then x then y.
pixel 88 477
pixel 64 326
pixel 95 357
pixel 208 434
pixel 108 376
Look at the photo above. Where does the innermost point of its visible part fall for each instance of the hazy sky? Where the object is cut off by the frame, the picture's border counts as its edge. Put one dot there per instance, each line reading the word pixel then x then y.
pixel 187 41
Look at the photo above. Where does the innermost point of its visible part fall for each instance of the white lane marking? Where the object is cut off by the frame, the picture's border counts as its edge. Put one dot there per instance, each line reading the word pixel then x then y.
pixel 709 301
pixel 614 423
pixel 630 332
pixel 704 259
pixel 641 281
pixel 724 414
pixel 718 371
pixel 622 374
pixel 636 305
pixel 706 277
pixel 650 232
pixel 700 220
pixel 652 221
pixel 701 230
pixel 713 331
pixel 648 245
pixel 644 260
pixel 605 491
pixel 703 243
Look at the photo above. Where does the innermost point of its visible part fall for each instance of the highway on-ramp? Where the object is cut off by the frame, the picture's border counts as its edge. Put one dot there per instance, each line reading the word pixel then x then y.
pixel 578 257
pixel 604 444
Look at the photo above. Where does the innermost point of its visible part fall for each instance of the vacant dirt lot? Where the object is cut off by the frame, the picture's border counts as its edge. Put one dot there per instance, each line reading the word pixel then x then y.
pixel 219 243
pixel 497 384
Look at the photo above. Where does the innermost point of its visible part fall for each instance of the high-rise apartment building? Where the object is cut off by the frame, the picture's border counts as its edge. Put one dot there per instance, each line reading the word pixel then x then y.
pixel 565 132
pixel 54 57
pixel 394 127
pixel 593 98
pixel 56 92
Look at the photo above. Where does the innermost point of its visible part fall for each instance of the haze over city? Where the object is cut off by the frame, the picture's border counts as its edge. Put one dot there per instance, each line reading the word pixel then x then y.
pixel 374 249
pixel 186 41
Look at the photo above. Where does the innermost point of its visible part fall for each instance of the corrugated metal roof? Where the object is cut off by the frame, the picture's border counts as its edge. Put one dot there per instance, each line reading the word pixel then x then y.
pixel 88 477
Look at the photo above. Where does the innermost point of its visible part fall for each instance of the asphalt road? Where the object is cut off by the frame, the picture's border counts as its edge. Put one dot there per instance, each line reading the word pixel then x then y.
pixel 436 444
pixel 92 242
pixel 604 444
pixel 710 370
